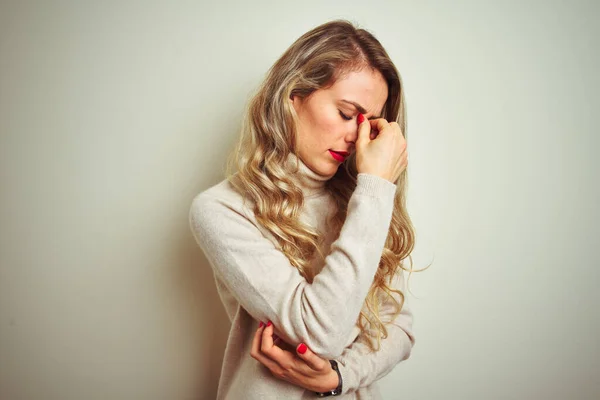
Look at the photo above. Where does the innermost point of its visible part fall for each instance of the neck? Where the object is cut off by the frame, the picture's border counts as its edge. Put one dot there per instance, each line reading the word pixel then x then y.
pixel 308 180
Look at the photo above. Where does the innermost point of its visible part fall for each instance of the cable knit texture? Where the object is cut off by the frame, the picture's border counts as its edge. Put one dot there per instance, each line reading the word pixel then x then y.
pixel 256 282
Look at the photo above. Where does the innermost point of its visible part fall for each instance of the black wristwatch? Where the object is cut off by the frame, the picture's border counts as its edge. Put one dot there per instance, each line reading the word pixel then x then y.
pixel 338 390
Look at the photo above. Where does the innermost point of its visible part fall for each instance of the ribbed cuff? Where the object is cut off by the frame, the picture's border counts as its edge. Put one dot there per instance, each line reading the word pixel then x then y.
pixel 348 378
pixel 375 186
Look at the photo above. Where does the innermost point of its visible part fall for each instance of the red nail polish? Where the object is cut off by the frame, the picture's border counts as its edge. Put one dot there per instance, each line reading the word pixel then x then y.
pixel 261 324
pixel 302 348
pixel 269 323
pixel 361 118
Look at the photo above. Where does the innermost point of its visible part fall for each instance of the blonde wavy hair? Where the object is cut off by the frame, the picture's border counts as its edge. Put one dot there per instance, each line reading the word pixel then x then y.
pixel 257 167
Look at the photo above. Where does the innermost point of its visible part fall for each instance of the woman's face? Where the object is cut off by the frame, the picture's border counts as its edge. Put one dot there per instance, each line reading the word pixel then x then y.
pixel 327 118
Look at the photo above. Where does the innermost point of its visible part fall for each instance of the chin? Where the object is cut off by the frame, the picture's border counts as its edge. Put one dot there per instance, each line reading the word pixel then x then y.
pixel 323 167
pixel 328 168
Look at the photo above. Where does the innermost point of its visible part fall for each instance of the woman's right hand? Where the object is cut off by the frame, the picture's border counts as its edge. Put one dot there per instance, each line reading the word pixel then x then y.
pixel 382 154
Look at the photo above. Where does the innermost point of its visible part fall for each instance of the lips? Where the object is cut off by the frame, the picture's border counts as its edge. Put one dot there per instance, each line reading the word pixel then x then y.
pixel 343 153
pixel 339 155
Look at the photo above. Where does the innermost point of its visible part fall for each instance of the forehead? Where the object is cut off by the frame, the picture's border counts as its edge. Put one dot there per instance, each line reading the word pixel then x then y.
pixel 366 87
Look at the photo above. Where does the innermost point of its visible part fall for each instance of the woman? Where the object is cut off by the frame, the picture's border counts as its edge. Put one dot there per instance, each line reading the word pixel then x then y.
pixel 308 236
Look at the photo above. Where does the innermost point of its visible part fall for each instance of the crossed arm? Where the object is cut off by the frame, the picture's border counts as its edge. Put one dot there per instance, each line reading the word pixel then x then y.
pixel 268 287
pixel 358 365
pixel 264 283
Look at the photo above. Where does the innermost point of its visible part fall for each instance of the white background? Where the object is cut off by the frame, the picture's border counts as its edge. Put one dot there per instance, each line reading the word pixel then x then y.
pixel 115 114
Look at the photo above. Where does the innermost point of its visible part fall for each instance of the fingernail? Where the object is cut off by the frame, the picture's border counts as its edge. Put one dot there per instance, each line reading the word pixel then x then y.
pixel 302 348
pixel 269 323
pixel 360 118
pixel 261 324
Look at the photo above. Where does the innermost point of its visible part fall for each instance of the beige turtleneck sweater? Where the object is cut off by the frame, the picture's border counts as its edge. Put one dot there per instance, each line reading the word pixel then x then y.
pixel 256 282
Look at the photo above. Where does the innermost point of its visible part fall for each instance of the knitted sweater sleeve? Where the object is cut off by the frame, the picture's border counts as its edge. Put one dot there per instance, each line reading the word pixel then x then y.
pixel 359 366
pixel 320 314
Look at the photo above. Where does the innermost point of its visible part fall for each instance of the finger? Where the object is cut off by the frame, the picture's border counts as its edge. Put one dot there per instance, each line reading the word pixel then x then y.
pixel 255 348
pixel 267 347
pixel 256 353
pixel 314 361
pixel 396 126
pixel 379 124
pixel 284 362
pixel 277 340
pixel 364 129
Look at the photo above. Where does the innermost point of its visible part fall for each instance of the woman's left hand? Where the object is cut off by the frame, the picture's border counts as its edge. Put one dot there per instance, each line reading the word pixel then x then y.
pixel 305 370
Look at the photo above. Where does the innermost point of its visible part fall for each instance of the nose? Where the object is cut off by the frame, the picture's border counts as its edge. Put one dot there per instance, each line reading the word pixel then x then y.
pixel 351 137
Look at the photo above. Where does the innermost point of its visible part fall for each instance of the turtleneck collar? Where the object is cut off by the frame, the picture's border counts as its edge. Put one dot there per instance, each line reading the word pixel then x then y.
pixel 309 181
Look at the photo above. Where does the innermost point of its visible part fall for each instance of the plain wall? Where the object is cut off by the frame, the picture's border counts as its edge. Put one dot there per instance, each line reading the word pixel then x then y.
pixel 114 115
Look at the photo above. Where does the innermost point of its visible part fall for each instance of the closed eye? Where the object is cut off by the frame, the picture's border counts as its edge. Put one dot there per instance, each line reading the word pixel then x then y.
pixel 347 118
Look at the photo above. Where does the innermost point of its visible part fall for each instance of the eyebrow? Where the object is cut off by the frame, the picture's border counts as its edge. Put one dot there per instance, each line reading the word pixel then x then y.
pixel 360 108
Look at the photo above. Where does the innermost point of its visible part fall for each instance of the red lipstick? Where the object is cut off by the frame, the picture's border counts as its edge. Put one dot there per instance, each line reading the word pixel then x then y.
pixel 339 155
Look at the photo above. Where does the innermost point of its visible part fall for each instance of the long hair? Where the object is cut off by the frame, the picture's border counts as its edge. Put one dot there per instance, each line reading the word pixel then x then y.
pixel 257 167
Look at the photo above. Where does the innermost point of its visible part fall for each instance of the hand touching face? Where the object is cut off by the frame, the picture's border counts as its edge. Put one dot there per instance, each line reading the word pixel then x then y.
pixel 327 119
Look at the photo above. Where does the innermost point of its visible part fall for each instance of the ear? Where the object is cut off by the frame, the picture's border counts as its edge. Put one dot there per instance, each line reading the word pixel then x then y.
pixel 295 101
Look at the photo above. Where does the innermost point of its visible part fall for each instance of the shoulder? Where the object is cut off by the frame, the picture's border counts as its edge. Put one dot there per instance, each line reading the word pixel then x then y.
pixel 220 203
pixel 221 197
pixel 220 193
